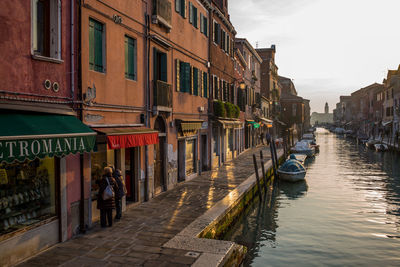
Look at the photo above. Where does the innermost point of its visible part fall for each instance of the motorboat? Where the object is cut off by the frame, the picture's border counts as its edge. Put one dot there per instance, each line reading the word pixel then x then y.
pixel 380 147
pixel 303 147
pixel 292 171
pixel 309 136
pixel 339 130
pixel 371 143
pixel 312 144
pixel 300 157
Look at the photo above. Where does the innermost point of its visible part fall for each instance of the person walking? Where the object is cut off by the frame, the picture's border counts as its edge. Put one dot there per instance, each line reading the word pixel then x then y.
pixel 268 137
pixel 120 193
pixel 106 197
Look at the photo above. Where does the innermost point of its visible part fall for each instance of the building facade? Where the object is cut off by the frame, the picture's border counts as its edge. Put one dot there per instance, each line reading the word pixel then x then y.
pixel 44 147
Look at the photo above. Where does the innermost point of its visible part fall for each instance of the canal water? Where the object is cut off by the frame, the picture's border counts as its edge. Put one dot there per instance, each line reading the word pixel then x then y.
pixel 346 213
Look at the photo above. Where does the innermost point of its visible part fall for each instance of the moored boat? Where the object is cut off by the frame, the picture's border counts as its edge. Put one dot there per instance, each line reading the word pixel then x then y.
pixel 380 147
pixel 292 171
pixel 303 147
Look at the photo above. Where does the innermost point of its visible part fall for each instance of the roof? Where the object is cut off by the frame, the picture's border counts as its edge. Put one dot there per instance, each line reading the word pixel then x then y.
pixel 250 47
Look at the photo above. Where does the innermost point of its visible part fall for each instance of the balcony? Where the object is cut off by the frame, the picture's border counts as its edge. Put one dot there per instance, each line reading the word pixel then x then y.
pixel 162 13
pixel 162 96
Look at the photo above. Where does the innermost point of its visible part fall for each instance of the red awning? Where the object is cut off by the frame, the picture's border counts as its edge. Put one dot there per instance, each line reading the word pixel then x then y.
pixel 128 137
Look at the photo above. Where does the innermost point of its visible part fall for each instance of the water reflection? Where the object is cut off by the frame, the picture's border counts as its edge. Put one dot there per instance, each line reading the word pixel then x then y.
pixel 347 212
pixel 293 190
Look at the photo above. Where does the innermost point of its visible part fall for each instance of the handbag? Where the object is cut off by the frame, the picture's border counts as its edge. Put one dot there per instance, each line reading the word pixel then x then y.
pixel 108 191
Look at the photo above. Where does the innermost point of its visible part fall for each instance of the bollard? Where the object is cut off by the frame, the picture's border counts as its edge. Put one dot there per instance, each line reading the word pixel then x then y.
pixel 257 177
pixel 263 170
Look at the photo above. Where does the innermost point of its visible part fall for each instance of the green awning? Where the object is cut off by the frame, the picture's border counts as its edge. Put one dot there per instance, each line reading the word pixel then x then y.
pixel 38 135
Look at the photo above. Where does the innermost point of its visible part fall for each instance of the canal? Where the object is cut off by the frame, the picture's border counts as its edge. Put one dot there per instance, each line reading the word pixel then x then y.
pixel 346 213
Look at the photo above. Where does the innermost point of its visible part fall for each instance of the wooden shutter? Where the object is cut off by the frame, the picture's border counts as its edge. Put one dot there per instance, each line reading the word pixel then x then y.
pixel 155 64
pixel 91 44
pixel 201 85
pixel 178 6
pixel 187 78
pixel 191 79
pixel 195 17
pixel 184 8
pixel 98 46
pixel 195 81
pixel 205 30
pixel 163 67
pixel 190 13
pixel 177 74
pixel 201 23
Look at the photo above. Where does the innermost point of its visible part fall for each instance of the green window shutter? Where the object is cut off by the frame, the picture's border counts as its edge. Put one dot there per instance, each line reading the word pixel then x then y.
pixel 91 44
pixel 98 47
pixel 178 6
pixel 130 58
pixel 177 74
pixel 163 67
pixel 205 84
pixel 182 77
pixel 201 23
pixel 205 27
pixel 155 64
pixel 191 79
pixel 201 84
pixel 195 81
pixel 195 18
pixel 190 13
pixel 187 77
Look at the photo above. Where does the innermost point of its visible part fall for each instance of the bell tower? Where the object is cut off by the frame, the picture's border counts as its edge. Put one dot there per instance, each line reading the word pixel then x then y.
pixel 326 108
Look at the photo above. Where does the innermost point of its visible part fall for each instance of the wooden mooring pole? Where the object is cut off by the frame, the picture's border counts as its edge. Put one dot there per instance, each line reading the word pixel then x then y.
pixel 263 170
pixel 257 177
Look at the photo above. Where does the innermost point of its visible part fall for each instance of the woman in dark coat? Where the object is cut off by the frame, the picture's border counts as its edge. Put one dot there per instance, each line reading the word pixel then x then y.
pixel 106 206
pixel 120 193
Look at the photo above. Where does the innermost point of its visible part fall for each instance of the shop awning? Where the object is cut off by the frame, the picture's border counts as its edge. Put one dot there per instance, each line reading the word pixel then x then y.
pixel 38 135
pixel 189 127
pixel 386 123
pixel 266 122
pixel 255 125
pixel 230 123
pixel 125 137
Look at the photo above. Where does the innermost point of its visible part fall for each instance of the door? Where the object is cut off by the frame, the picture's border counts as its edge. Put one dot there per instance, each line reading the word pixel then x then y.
pixel 131 181
pixel 181 161
pixel 203 146
pixel 159 179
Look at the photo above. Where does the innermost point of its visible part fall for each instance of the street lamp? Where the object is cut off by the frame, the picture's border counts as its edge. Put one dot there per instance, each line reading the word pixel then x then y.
pixel 242 85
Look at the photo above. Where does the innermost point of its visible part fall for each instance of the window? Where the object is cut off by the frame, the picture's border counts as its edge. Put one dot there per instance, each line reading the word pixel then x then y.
pixel 46 33
pixel 96 45
pixel 160 65
pixel 195 81
pixel 180 7
pixel 217 33
pixel 183 72
pixel 294 110
pixel 203 24
pixel 205 84
pixel 193 15
pixel 130 58
pixel 216 88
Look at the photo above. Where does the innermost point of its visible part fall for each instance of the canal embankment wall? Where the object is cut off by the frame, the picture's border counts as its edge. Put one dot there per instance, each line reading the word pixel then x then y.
pixel 204 233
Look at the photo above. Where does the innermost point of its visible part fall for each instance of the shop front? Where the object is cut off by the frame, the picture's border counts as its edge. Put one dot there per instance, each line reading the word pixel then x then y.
pixel 34 155
pixel 188 160
pixel 121 148
pixel 230 140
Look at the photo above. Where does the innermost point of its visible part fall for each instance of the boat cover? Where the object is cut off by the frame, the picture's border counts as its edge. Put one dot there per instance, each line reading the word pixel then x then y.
pixel 292 165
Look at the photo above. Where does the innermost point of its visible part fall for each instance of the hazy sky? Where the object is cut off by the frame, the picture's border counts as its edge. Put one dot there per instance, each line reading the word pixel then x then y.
pixel 328 47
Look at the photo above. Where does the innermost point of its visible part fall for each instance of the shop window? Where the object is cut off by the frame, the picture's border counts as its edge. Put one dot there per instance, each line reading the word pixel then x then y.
pixel 96 46
pixel 130 58
pixel 27 193
pixel 99 161
pixel 46 35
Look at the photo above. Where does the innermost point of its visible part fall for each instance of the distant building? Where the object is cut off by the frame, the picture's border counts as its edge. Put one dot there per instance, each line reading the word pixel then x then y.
pixel 325 117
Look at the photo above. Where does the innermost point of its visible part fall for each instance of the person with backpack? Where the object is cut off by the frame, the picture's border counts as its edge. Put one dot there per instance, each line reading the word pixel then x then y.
pixel 120 193
pixel 106 197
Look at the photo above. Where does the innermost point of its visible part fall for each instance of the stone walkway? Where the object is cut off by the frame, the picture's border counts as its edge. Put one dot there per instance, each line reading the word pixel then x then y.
pixel 138 238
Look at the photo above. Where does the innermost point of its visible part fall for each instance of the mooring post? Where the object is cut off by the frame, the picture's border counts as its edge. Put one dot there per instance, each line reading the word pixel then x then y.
pixel 275 155
pixel 263 170
pixel 272 158
pixel 257 177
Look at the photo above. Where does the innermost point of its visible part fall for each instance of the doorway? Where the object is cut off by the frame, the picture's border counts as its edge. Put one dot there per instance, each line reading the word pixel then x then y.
pixel 131 175
pixel 181 161
pixel 203 147
pixel 160 157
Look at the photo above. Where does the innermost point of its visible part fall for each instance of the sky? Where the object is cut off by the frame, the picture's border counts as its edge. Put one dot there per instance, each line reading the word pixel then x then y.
pixel 328 48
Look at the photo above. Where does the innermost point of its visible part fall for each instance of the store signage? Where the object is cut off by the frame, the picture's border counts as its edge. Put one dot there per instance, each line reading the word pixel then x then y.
pixel 21 150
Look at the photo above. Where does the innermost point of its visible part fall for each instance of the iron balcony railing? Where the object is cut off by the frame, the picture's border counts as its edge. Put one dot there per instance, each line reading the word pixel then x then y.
pixel 162 94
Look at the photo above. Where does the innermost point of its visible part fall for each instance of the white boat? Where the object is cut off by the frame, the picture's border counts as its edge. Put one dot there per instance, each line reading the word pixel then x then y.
pixel 380 147
pixel 303 147
pixel 292 171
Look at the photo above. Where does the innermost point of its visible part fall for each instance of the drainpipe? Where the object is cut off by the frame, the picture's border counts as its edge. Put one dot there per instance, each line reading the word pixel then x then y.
pixel 147 120
pixel 82 225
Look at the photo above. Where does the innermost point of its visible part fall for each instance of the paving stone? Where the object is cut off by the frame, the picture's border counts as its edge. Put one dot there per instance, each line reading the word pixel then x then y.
pixel 137 239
